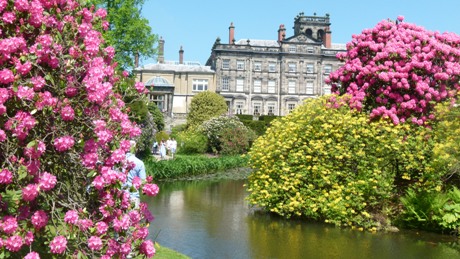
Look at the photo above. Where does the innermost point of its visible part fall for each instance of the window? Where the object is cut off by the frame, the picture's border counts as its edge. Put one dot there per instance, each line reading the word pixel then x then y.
pixel 309 87
pixel 327 89
pixel 200 84
pixel 257 86
pixel 292 67
pixel 240 85
pixel 310 50
pixel 240 65
pixel 291 107
pixel 272 67
pixel 257 66
pixel 239 107
pixel 310 68
pixel 327 69
pixel 271 86
pixel 257 108
pixel 225 63
pixel 225 83
pixel 292 49
pixel 291 87
pixel 271 108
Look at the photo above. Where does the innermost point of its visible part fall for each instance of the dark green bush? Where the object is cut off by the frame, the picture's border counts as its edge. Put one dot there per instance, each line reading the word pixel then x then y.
pixel 191 142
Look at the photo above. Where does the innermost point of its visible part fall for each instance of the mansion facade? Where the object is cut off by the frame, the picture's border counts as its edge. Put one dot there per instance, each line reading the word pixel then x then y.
pixel 272 77
pixel 256 77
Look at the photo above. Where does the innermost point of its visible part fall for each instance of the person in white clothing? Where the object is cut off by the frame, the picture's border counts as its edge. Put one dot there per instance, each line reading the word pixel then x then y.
pixel 173 147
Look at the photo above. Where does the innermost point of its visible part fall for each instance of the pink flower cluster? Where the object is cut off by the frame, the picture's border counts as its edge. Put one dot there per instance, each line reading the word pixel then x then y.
pixel 65 135
pixel 398 70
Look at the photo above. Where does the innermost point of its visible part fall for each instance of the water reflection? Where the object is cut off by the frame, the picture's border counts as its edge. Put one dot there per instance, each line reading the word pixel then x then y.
pixel 211 219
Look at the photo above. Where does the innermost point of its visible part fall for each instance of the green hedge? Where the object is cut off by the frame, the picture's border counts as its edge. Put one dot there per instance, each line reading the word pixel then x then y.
pixel 192 165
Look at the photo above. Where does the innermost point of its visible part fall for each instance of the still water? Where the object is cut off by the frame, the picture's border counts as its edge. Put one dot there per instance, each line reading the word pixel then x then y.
pixel 211 219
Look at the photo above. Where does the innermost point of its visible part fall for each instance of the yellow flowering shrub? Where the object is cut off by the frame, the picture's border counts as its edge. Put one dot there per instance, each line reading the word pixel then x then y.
pixel 332 164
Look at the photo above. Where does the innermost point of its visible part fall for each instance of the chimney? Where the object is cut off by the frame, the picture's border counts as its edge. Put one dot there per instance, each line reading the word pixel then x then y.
pixel 327 41
pixel 281 33
pixel 161 51
pixel 181 56
pixel 231 34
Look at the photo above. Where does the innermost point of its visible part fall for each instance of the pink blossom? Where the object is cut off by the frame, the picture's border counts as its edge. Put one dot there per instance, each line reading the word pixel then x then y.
pixel 101 227
pixel 14 243
pixel 140 87
pixel 58 245
pixel 101 13
pixel 137 182
pixel 95 243
pixel 23 69
pixel 39 219
pixel 6 177
pixel 25 93
pixel 71 91
pixel 29 238
pixel 67 113
pixel 71 217
pixel 84 224
pixel 125 248
pixel 6 76
pixel 125 73
pixel 38 82
pixel 47 181
pixel 147 248
pixel 30 192
pixel 8 17
pixel 98 182
pixel 32 255
pixel 10 224
pixel 400 18
pixel 64 143
pixel 150 189
pixel 141 233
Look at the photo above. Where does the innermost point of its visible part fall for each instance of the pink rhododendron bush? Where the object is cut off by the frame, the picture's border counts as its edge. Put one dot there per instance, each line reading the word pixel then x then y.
pixel 64 133
pixel 398 70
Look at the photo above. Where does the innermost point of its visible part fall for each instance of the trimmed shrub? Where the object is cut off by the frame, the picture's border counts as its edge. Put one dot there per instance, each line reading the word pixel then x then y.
pixel 204 106
pixel 221 129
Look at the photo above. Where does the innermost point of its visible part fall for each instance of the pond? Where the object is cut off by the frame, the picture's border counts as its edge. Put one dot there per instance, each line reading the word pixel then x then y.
pixel 211 219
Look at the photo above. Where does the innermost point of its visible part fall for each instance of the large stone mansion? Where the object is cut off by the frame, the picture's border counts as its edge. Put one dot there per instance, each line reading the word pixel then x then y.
pixel 257 77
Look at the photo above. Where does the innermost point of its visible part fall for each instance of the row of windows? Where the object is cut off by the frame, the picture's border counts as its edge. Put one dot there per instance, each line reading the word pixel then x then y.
pixel 270 108
pixel 292 67
pixel 271 86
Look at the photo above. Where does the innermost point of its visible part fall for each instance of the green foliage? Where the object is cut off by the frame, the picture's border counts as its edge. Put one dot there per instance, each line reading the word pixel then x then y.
pixel 161 135
pixel 178 129
pixel 191 142
pixel 258 126
pixel 185 166
pixel 332 164
pixel 158 117
pixel 204 106
pixel 128 32
pixel 227 135
pixel 139 112
pixel 432 211
pixel 244 117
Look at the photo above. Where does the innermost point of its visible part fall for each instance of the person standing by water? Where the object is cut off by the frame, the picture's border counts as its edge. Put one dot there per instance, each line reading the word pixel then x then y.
pixel 162 149
pixel 173 147
pixel 137 169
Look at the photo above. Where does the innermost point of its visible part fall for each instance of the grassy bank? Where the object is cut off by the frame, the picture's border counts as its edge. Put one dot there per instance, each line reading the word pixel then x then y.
pixel 166 253
pixel 185 166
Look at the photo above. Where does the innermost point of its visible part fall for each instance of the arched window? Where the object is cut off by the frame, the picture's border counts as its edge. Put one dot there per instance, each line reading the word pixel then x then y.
pixel 309 32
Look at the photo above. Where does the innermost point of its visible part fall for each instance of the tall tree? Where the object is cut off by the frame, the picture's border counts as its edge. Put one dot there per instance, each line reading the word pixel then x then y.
pixel 129 33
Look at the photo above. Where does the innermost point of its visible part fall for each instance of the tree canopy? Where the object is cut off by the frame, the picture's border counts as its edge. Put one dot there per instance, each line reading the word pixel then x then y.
pixel 129 33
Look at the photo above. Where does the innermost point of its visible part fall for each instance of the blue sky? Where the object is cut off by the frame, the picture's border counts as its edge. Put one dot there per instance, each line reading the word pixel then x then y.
pixel 195 25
